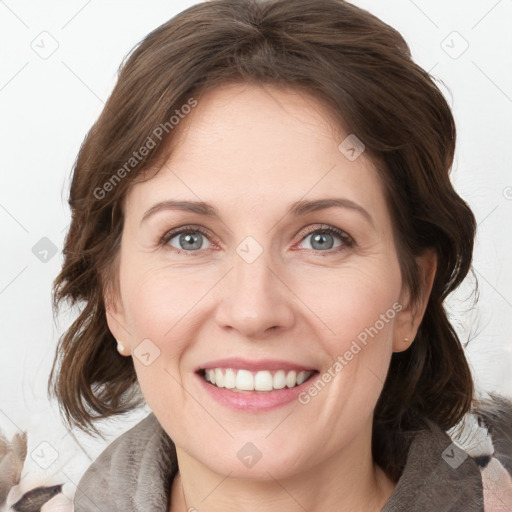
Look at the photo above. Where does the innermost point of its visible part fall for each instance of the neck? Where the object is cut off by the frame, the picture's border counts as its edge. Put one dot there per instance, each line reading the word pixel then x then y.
pixel 345 482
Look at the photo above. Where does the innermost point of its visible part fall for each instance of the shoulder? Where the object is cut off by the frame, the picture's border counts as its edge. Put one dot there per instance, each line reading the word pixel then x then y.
pixel 459 469
pixel 132 473
pixel 485 434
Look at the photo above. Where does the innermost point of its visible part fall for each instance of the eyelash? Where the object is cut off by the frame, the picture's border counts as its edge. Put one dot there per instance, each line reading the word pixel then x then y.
pixel 324 228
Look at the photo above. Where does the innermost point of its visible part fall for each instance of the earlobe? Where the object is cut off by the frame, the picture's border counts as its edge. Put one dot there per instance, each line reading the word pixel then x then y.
pixel 410 317
pixel 116 322
pixel 121 349
pixel 118 331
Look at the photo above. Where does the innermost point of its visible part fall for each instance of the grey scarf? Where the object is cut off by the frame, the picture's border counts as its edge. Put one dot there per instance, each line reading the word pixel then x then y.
pixel 135 474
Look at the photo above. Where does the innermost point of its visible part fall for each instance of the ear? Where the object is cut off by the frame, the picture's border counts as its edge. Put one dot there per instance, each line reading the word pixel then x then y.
pixel 411 315
pixel 116 319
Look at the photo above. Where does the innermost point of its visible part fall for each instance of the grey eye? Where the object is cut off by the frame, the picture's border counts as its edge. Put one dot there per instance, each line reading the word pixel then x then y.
pixel 321 240
pixel 190 240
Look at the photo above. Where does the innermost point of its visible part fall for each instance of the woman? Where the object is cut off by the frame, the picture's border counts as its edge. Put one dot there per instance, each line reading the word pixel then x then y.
pixel 297 356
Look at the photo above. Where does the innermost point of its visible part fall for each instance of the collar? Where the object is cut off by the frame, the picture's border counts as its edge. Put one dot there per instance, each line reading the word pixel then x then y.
pixel 438 477
pixel 135 473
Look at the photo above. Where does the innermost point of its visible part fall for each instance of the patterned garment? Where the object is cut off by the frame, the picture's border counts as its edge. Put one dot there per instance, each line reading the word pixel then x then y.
pixel 467 469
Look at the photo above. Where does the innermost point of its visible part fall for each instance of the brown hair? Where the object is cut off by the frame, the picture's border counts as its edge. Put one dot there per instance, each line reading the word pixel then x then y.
pixel 363 69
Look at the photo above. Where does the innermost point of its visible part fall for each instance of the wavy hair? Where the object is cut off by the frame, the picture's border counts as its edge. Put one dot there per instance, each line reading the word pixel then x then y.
pixel 362 68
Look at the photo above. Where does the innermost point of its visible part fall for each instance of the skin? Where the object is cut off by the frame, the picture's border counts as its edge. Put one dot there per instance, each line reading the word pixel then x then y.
pixel 251 151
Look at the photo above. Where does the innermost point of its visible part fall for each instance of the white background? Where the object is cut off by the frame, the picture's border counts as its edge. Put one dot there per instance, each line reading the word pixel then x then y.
pixel 48 105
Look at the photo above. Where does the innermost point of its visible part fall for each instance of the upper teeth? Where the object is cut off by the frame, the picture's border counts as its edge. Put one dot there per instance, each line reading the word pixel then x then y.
pixel 245 380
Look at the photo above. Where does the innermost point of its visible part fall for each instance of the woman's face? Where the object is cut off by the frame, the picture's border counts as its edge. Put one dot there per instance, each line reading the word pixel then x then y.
pixel 262 283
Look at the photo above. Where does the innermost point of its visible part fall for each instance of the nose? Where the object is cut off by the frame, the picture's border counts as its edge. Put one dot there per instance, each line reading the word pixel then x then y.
pixel 255 299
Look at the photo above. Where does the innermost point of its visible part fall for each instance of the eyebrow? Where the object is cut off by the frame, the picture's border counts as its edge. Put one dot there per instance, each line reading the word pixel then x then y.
pixel 296 209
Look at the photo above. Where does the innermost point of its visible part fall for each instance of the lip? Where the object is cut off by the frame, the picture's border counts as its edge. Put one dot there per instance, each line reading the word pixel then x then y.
pixel 254 401
pixel 238 363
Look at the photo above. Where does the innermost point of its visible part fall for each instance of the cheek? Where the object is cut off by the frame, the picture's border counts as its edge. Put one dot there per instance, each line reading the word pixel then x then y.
pixel 162 305
pixel 159 301
pixel 360 313
pixel 354 300
pixel 159 308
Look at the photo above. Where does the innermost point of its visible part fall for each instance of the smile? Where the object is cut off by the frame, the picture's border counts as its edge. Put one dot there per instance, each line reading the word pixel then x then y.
pixel 264 380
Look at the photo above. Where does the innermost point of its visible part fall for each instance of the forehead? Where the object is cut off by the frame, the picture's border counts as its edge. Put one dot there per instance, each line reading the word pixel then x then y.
pixel 258 147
